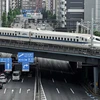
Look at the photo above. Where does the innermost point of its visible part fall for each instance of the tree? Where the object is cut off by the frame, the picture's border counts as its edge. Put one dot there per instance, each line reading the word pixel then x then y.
pixel 10 16
pixel 7 20
pixel 97 33
pixel 4 20
pixel 14 13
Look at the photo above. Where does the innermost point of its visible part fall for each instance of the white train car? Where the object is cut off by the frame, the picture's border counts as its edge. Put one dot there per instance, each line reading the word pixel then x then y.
pixel 50 37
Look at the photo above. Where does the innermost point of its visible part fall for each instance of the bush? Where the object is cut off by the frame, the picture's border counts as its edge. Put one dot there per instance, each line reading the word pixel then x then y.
pixel 96 33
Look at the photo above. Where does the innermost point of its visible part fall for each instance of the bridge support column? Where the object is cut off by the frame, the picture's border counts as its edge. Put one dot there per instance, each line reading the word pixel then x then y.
pixel 95 79
pixel 73 65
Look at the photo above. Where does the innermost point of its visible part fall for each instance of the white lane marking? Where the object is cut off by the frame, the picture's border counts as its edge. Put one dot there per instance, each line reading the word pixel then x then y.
pixel 22 80
pixel 12 91
pixel 5 90
pixel 9 80
pixel 72 90
pixel 53 80
pixel 57 90
pixel 28 90
pixel 65 80
pixel 20 90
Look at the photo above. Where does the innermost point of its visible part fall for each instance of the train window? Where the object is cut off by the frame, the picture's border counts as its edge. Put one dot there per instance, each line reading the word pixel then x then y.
pixel 44 37
pixel 74 39
pixel 55 38
pixel 71 39
pixel 58 38
pixel 50 37
pixel 65 39
pixel 77 40
pixel 10 33
pixel 97 39
pixel 0 33
pixel 61 38
pixel 47 37
pixel 68 39
pixel 41 36
pixel 82 38
pixel 15 34
pixel 38 36
pixel 5 33
pixel 85 39
pixel 19 33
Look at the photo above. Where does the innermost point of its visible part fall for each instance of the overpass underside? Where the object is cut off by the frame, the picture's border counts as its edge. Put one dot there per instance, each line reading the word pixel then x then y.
pixel 59 52
pixel 73 54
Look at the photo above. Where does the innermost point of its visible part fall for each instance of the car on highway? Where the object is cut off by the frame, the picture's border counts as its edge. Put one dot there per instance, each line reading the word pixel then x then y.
pixel 3 79
pixel 16 75
pixel 2 74
pixel 43 27
pixel 1 85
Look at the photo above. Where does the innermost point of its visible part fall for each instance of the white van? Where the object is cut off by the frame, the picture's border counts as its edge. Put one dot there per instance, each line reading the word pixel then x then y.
pixel 16 75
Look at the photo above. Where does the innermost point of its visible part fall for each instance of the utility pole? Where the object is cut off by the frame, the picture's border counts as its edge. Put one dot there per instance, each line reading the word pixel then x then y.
pixel 92 19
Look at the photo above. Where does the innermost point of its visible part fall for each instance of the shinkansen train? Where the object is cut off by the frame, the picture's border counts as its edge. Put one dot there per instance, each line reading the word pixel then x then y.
pixel 50 37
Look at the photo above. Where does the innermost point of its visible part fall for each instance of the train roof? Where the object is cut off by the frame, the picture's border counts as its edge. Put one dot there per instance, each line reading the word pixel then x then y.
pixel 45 32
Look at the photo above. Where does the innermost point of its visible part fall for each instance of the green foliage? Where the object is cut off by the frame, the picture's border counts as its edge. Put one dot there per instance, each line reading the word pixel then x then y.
pixel 7 20
pixel 48 14
pixel 4 20
pixel 96 33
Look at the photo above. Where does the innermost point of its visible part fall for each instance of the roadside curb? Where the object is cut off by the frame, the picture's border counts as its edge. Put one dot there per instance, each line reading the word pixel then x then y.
pixel 90 93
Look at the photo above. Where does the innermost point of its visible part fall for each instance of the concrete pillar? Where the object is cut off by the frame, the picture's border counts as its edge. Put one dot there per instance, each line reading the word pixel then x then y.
pixel 77 27
pixel 73 65
pixel 81 25
pixel 95 79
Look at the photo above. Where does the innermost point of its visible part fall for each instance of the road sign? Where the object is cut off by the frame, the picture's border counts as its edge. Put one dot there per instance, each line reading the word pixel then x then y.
pixel 25 66
pixel 25 57
pixel 8 66
pixel 5 59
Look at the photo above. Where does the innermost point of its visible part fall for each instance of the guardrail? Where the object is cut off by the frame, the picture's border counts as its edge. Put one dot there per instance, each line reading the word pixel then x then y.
pixel 48 47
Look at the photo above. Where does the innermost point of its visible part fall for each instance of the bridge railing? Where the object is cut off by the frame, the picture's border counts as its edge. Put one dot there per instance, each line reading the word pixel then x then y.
pixel 48 47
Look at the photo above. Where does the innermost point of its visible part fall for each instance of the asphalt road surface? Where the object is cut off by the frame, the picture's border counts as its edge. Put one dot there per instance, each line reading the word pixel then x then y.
pixel 18 90
pixel 60 86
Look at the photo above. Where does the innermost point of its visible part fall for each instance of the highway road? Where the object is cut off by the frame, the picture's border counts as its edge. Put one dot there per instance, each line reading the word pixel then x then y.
pixel 61 86
pixel 18 90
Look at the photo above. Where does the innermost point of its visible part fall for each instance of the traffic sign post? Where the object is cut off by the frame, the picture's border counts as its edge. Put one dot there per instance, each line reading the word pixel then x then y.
pixel 25 57
pixel 5 59
pixel 8 63
pixel 8 66
pixel 25 66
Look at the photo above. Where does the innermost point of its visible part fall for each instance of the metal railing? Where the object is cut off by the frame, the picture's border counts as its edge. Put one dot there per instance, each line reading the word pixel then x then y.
pixel 33 46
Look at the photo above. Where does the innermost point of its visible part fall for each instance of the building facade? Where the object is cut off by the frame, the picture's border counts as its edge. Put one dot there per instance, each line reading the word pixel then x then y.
pixel 95 4
pixel 51 5
pixel 31 4
pixel 28 4
pixel 75 12
pixel 68 12
pixel 13 4
pixel 4 7
pixel 47 4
